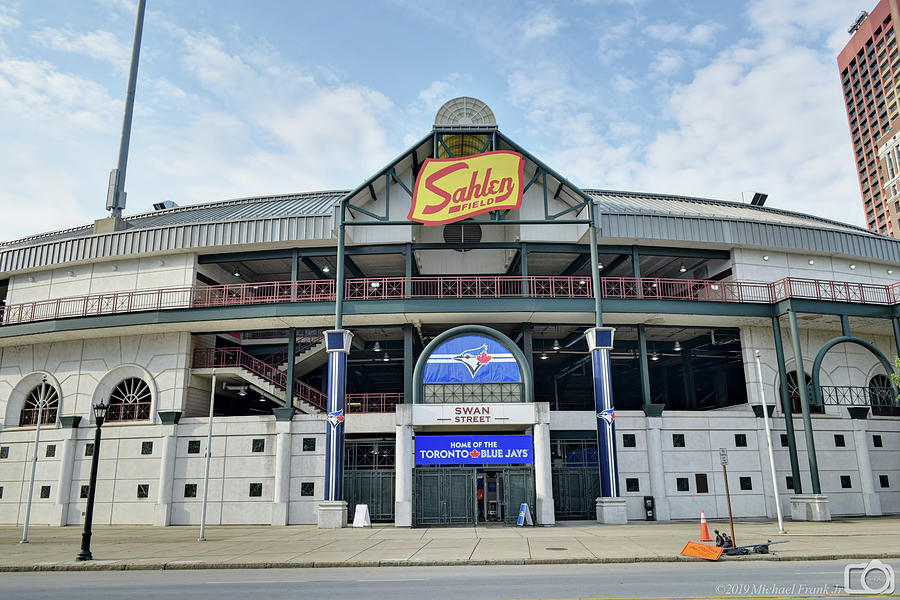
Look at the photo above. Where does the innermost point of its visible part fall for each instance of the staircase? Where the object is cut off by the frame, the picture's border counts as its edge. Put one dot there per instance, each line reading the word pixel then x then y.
pixel 267 378
pixel 310 355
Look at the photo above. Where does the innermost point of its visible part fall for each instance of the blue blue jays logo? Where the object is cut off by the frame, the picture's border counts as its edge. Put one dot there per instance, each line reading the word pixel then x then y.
pixel 336 417
pixel 608 415
pixel 474 359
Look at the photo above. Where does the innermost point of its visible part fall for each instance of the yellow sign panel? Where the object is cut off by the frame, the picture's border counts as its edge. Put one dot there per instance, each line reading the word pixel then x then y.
pixel 452 189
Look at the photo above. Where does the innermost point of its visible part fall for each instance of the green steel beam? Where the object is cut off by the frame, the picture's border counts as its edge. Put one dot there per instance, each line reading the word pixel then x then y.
pixel 804 404
pixel 312 267
pixel 576 264
pixel 291 367
pixel 786 408
pixel 408 362
pixel 829 307
pixel 646 397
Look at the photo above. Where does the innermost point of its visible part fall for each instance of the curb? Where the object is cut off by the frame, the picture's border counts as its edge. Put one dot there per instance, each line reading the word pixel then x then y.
pixel 181 566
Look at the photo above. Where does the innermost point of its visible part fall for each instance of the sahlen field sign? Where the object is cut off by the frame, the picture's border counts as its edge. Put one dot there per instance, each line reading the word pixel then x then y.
pixel 452 189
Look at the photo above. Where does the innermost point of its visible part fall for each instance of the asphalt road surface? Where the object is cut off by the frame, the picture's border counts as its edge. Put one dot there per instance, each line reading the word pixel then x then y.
pixel 770 580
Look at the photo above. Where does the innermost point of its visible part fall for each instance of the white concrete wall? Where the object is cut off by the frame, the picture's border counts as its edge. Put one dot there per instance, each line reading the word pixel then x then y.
pixel 84 371
pixel 749 265
pixel 163 271
pixel 123 467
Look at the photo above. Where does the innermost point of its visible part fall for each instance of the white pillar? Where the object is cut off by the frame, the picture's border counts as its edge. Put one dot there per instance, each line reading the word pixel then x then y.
pixel 545 513
pixel 403 488
pixel 282 499
pixel 64 481
pixel 657 471
pixel 871 500
pixel 163 512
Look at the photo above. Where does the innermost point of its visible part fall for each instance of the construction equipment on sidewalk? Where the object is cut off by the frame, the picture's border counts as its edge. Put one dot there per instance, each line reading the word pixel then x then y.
pixel 704 530
pixel 729 549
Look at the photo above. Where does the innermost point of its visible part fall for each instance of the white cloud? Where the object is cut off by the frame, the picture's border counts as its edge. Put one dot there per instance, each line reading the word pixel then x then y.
pixel 624 85
pixel 542 23
pixel 698 35
pixel 667 62
pixel 99 45
pixel 8 21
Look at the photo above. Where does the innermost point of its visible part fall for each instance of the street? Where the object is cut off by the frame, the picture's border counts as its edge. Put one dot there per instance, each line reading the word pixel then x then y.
pixel 730 579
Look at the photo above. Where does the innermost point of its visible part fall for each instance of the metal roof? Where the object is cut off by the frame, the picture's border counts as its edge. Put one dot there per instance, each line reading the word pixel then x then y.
pixel 616 202
pixel 228 211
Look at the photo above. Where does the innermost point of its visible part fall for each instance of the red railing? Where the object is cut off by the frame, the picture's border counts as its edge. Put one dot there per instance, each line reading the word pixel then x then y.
pixel 373 403
pixel 375 288
pixel 127 411
pixel 236 357
pixel 474 286
pixel 686 289
pixel 29 416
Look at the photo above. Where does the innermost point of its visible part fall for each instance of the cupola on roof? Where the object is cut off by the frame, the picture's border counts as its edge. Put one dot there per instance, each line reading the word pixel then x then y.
pixel 464 112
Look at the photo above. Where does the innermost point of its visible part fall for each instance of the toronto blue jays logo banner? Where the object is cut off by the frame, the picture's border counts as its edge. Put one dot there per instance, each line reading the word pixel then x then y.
pixel 472 358
pixel 474 450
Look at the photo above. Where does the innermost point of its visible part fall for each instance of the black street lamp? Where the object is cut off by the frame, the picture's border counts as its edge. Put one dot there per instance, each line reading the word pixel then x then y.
pixel 85 554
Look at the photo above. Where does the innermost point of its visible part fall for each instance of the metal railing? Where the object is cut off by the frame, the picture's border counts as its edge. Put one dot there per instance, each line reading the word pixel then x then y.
pixel 475 286
pixel 29 416
pixel 373 403
pixel 127 411
pixel 236 357
pixel 882 400
pixel 686 289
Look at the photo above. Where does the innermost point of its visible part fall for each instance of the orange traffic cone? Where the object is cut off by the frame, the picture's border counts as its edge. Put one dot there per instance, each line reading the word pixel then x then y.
pixel 704 530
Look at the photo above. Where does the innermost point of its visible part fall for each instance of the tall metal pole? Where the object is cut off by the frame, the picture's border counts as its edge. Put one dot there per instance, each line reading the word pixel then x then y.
pixel 212 405
pixel 765 410
pixel 42 397
pixel 116 196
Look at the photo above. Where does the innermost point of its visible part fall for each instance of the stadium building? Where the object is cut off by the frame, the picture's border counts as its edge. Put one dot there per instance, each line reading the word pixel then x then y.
pixel 464 331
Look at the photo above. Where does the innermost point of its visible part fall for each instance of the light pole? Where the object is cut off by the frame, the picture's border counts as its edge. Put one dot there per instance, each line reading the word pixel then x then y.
pixel 41 401
pixel 85 553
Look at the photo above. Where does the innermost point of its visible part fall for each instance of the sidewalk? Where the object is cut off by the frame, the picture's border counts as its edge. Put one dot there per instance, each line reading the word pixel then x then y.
pixel 144 547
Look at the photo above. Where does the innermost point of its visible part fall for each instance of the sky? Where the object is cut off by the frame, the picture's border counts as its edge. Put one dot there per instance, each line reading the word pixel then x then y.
pixel 238 98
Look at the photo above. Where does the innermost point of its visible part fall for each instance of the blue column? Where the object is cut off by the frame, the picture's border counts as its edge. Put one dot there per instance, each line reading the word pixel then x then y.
pixel 600 342
pixel 337 344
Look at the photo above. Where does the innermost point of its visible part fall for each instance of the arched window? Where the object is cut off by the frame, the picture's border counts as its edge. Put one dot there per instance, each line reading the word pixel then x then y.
pixel 45 396
pixel 129 401
pixel 794 394
pixel 881 396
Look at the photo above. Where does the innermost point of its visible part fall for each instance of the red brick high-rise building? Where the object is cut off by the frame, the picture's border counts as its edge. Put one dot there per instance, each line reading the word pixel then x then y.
pixel 870 73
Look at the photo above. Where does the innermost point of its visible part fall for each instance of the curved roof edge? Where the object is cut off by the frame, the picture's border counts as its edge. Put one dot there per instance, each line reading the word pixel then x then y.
pixel 734 205
pixel 319 203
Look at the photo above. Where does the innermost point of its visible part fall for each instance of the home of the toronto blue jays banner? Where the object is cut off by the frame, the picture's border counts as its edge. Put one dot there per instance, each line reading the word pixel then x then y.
pixel 472 359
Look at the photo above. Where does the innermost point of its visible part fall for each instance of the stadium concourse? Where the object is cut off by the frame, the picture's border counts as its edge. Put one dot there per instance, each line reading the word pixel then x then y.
pixel 461 333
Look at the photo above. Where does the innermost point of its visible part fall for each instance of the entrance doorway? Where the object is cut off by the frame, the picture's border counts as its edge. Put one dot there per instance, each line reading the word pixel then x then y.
pixel 468 496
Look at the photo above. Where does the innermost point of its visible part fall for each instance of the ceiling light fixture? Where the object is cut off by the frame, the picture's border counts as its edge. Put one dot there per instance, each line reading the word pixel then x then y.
pixel 242 391
pixel 375 284
pixel 677 346
pixel 654 356
pixel 890 271
pixel 714 287
pixel 236 273
pixel 765 257
pixel 326 269
pixel 852 267
pixel 811 261
pixel 581 281
pixel 386 357
pixel 376 347
pixel 682 268
pixel 544 356
pixel 556 345
pixel 599 266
